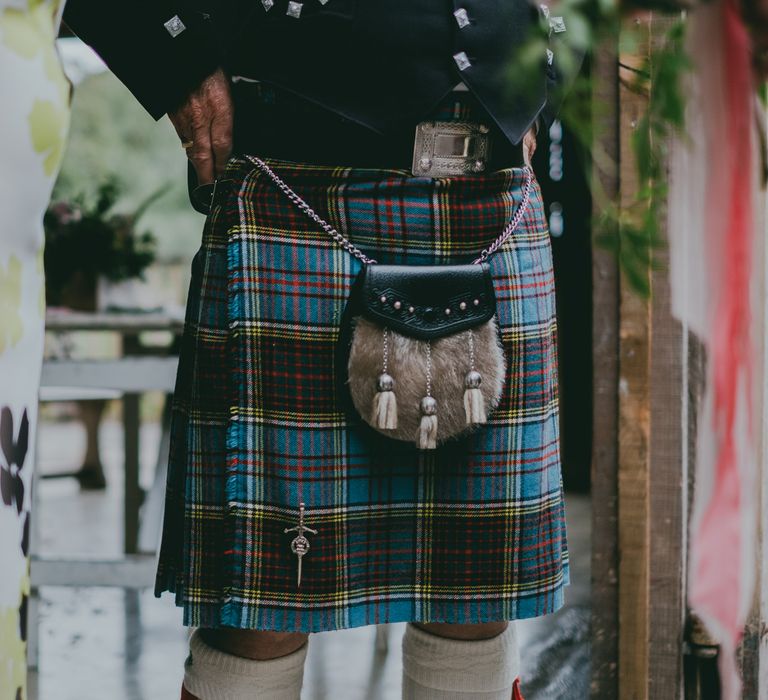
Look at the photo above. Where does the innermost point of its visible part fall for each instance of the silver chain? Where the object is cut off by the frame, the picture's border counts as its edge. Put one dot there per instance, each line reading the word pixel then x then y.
pixel 345 243
pixel 385 367
pixel 353 250
pixel 512 225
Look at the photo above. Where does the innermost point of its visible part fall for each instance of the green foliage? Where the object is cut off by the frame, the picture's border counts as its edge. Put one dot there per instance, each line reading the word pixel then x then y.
pixel 632 231
pixel 639 225
pixel 85 238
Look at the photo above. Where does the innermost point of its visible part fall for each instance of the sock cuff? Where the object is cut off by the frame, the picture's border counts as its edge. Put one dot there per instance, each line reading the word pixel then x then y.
pixel 211 674
pixel 204 654
pixel 461 665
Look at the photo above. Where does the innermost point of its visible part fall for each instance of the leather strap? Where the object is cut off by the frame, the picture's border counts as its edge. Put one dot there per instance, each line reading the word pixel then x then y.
pixel 294 129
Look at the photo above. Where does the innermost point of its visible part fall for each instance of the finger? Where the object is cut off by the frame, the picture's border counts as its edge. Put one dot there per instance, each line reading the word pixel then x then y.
pixel 221 142
pixel 201 155
pixel 221 132
pixel 529 146
pixel 182 125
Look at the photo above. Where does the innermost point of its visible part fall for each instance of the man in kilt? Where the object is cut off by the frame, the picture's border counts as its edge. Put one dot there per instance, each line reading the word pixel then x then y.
pixel 285 515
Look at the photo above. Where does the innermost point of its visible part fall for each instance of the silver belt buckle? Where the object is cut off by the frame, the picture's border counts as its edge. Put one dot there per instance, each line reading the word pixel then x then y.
pixel 448 149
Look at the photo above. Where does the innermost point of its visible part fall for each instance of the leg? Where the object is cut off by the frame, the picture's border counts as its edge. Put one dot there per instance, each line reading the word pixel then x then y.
pixel 231 664
pixel 468 633
pixel 254 644
pixel 451 662
pixel 91 474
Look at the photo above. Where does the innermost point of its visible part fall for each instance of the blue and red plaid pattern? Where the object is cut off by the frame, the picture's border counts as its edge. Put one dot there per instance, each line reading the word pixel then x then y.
pixel 469 533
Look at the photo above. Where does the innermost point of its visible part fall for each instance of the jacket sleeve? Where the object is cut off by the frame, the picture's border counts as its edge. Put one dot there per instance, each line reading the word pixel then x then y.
pixel 160 49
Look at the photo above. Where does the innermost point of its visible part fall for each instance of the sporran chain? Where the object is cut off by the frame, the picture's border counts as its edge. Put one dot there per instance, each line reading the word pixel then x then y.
pixel 353 250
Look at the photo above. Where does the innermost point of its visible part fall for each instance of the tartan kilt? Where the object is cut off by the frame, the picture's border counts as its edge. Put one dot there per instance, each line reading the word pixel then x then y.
pixel 469 533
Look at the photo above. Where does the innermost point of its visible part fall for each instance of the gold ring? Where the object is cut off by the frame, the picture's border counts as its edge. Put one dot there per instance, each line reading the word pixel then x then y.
pixel 186 145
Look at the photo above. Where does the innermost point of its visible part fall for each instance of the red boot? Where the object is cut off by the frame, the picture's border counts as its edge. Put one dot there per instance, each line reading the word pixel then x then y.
pixel 516 694
pixel 186 695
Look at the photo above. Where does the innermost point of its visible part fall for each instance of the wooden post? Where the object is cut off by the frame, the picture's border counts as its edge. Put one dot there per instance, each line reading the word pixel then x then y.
pixel 639 489
pixel 634 424
pixel 667 508
pixel 754 648
pixel 668 470
pixel 132 494
pixel 634 437
pixel 605 342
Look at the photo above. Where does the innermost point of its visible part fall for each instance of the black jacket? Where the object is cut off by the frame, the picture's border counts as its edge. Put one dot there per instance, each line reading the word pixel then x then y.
pixel 382 63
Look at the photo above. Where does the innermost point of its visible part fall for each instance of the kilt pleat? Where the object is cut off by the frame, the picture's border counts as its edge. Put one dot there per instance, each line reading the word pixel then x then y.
pixel 472 532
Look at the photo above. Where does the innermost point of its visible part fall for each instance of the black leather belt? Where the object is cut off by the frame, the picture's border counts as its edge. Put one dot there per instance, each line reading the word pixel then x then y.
pixel 457 139
pixel 273 124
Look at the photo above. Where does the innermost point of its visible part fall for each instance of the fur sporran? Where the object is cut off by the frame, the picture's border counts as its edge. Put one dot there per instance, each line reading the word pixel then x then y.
pixel 425 364
pixel 420 345
pixel 463 400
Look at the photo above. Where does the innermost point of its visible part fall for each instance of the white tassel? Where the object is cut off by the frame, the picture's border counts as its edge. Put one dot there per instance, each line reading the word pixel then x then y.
pixel 428 433
pixel 474 403
pixel 384 413
pixel 428 427
pixel 474 406
pixel 385 410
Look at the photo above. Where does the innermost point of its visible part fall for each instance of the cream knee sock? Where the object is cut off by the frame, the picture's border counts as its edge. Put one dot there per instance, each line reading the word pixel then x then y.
pixel 435 668
pixel 211 674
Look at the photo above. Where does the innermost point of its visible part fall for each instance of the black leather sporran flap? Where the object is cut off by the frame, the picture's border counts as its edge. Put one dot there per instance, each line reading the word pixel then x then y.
pixel 428 302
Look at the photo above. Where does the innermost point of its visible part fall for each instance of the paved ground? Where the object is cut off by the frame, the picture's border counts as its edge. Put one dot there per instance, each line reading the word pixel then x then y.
pixel 103 644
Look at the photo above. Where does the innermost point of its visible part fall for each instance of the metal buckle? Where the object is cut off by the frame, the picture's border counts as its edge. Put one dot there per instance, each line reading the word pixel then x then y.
pixel 203 197
pixel 445 149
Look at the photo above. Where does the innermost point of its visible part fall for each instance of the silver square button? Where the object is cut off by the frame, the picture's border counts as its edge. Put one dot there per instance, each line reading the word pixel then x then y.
pixel 462 60
pixel 174 26
pixel 294 9
pixel 550 57
pixel 268 4
pixel 557 24
pixel 462 18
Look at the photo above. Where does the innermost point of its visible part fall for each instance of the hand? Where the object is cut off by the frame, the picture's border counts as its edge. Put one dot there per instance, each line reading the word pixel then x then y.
pixel 529 145
pixel 205 120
